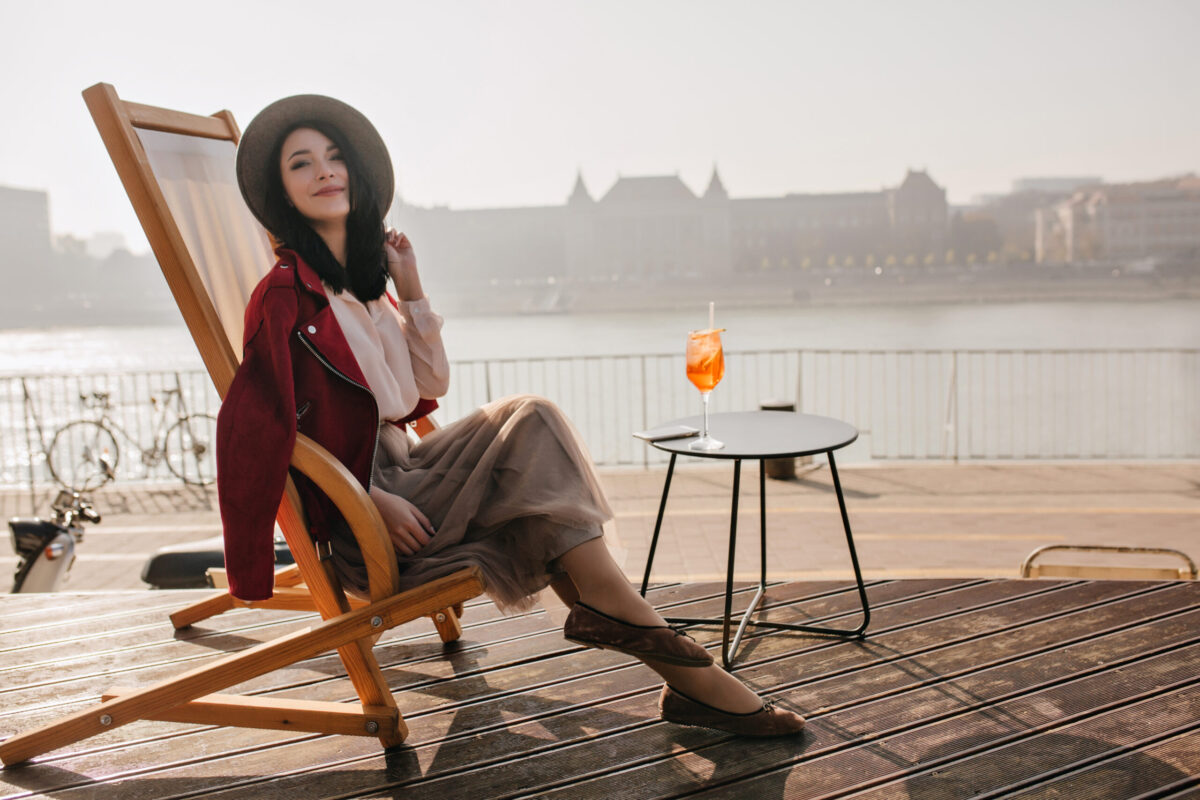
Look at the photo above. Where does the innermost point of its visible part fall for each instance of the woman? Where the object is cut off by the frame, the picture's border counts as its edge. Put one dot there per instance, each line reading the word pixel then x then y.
pixel 328 352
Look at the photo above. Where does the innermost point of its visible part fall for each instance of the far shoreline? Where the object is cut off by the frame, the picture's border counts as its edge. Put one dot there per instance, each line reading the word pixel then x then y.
pixel 647 297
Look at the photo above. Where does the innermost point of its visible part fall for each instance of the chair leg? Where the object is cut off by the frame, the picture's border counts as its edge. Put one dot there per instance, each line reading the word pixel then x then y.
pixel 448 624
pixel 287 578
pixel 198 612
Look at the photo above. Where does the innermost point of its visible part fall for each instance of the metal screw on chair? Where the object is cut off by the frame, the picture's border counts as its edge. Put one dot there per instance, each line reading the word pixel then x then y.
pixel 440 616
pixel 376 621
pixel 372 726
pixel 105 720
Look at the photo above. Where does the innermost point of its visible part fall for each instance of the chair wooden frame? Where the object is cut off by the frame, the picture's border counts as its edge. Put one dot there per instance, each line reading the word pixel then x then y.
pixel 350 627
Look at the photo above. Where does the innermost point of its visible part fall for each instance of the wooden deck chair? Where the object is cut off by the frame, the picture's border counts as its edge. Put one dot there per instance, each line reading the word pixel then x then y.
pixel 178 170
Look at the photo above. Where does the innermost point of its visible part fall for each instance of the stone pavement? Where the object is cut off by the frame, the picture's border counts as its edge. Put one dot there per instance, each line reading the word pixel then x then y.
pixel 908 520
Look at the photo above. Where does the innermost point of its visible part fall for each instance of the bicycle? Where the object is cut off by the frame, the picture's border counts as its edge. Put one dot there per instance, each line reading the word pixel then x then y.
pixel 84 454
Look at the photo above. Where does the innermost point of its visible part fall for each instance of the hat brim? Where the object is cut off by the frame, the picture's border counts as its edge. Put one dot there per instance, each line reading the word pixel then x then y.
pixel 261 137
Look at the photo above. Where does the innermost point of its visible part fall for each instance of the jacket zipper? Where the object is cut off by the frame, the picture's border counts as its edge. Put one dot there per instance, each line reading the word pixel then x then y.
pixel 324 361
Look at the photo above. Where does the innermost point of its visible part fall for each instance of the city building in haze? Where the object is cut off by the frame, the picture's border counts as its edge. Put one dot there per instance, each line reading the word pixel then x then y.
pixel 651 228
pixel 1115 222
pixel 24 229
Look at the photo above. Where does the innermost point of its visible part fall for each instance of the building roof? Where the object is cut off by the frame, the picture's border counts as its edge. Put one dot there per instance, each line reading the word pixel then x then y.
pixel 580 193
pixel 652 189
pixel 918 179
pixel 716 189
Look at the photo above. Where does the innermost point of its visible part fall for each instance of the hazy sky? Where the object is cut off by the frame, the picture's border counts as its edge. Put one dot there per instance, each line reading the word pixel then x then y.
pixel 500 103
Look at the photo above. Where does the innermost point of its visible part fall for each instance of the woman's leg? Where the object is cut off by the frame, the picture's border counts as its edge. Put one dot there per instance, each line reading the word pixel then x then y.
pixel 599 582
pixel 564 587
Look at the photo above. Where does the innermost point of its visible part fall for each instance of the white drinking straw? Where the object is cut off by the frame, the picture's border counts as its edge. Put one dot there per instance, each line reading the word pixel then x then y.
pixel 711 311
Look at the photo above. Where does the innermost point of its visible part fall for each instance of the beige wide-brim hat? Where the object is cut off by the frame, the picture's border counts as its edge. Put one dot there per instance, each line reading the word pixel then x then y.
pixel 262 135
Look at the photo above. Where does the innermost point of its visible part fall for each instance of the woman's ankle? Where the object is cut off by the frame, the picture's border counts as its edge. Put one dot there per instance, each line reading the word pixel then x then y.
pixel 635 612
pixel 715 687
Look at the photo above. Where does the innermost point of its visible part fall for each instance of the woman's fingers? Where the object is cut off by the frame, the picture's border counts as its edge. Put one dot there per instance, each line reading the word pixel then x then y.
pixel 412 534
pixel 407 541
pixel 408 527
pixel 426 525
pixel 402 542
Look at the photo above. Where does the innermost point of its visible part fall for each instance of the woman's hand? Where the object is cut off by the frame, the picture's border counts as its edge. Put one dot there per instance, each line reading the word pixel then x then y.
pixel 409 528
pixel 402 265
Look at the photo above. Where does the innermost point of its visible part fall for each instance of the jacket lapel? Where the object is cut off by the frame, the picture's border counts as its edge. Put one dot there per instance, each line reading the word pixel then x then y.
pixel 317 325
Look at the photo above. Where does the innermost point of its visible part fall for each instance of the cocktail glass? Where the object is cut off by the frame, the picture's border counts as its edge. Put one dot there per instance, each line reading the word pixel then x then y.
pixel 705 368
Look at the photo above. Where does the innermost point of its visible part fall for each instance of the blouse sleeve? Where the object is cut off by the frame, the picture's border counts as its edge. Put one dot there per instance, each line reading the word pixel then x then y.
pixel 423 331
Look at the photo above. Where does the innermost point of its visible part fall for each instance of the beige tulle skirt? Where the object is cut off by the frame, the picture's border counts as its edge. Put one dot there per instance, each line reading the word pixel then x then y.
pixel 508 488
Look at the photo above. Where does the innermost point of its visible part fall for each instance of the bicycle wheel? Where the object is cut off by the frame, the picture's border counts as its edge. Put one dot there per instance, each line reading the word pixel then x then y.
pixel 83 456
pixel 190 447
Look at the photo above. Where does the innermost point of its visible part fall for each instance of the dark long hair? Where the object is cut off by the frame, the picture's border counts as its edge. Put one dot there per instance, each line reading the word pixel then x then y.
pixel 365 273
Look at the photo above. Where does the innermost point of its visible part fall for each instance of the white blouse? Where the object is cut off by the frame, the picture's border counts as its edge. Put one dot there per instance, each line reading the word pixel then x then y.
pixel 400 351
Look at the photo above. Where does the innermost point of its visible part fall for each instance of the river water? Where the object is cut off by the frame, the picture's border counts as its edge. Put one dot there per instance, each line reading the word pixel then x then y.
pixel 1032 326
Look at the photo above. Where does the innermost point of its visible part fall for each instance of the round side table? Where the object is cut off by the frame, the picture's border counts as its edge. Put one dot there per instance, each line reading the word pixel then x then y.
pixel 761 435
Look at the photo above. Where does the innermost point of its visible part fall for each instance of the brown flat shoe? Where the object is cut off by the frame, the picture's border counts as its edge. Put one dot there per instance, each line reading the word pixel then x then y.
pixel 769 720
pixel 587 626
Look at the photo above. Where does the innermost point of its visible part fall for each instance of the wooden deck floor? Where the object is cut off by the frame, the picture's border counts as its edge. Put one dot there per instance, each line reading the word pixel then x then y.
pixel 964 688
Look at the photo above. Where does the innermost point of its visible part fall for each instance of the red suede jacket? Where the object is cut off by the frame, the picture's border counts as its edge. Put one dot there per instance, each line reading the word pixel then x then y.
pixel 297 374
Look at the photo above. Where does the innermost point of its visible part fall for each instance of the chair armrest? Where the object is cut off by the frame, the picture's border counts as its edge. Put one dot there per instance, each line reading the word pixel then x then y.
pixel 332 477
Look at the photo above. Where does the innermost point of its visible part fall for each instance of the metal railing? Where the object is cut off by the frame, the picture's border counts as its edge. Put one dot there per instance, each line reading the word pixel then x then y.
pixel 924 404
pixel 34 408
pixel 918 404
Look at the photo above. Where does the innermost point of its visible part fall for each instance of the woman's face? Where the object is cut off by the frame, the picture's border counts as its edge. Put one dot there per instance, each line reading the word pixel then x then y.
pixel 315 179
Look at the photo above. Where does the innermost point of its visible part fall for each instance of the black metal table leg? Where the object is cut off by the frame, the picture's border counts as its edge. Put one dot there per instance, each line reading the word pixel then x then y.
pixel 662 506
pixel 737 485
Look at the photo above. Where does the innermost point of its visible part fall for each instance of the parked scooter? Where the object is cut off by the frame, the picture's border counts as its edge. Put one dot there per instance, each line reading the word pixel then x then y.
pixel 46 548
pixel 186 566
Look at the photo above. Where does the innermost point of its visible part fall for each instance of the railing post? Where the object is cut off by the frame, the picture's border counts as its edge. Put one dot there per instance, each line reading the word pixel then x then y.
pixel 645 413
pixel 950 415
pixel 799 381
pixel 29 415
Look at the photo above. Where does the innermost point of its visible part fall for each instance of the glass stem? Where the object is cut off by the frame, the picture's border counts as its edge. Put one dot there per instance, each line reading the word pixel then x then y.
pixel 705 396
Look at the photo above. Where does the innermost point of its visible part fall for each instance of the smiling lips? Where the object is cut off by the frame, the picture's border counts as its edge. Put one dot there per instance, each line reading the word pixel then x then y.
pixel 329 191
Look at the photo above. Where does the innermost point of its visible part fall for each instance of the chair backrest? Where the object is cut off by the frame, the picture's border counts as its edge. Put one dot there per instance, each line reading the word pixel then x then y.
pixel 178 170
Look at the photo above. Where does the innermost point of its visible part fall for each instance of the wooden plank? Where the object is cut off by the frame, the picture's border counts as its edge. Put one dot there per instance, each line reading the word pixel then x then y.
pixel 161 653
pixel 24 613
pixel 869 750
pixel 43 662
pixel 316 679
pixel 638 752
pixel 348 628
pixel 858 721
pixel 585 689
pixel 1163 765
pixel 843 683
pixel 681 764
pixel 162 119
pixel 1046 750
pixel 275 713
pixel 566 648
pixel 138 628
pixel 538 731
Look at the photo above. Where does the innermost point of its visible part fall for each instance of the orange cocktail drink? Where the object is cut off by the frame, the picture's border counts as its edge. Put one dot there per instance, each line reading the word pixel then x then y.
pixel 705 368
pixel 705 359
